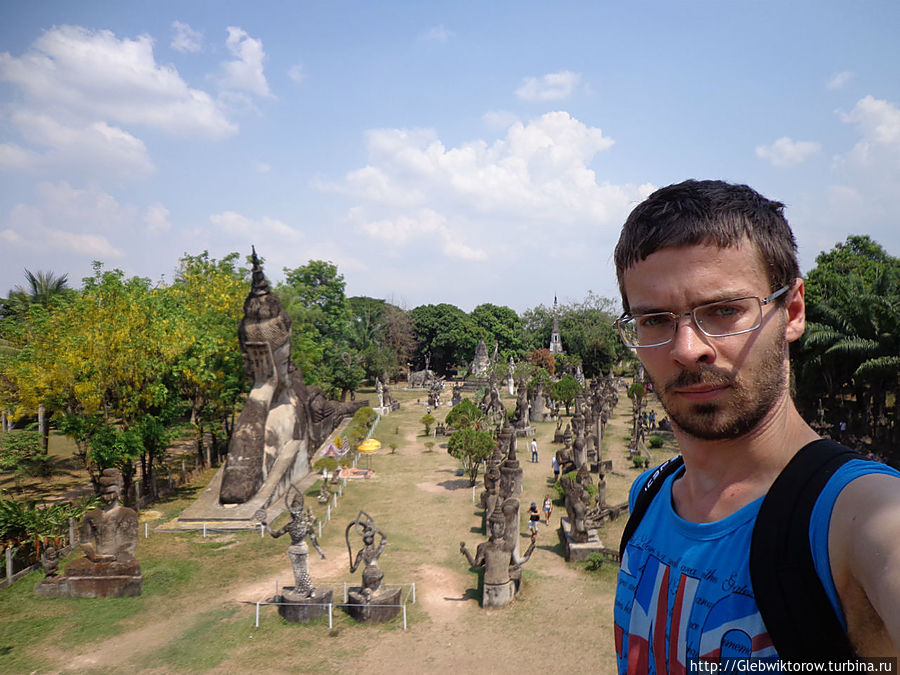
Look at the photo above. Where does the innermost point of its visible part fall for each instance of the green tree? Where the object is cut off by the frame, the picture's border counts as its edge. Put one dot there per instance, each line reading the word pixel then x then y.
pixel 471 447
pixel 206 301
pixel 565 390
pixel 850 353
pixel 382 334
pixel 313 296
pixel 585 329
pixel 465 414
pixel 444 332
pixel 502 325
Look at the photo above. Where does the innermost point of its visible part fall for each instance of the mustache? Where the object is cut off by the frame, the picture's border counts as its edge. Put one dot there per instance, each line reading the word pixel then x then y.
pixel 703 375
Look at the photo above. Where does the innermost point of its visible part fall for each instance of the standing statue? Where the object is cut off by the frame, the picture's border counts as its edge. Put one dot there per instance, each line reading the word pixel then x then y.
pixel 379 390
pixel 300 526
pixel 501 564
pixel 371 601
pixel 372 575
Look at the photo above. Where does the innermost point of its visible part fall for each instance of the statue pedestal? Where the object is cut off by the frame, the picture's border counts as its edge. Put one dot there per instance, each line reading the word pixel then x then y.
pixel 494 596
pixel 526 431
pixel 301 610
pixel 577 551
pixel 382 606
pixel 85 579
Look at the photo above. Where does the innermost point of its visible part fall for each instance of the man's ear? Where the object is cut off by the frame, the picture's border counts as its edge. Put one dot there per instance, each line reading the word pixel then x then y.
pixel 796 311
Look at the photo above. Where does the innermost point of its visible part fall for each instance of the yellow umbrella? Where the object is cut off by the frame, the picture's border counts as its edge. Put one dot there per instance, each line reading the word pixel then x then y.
pixel 369 447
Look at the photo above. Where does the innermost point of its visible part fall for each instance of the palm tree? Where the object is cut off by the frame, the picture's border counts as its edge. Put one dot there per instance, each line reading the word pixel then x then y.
pixel 853 339
pixel 42 287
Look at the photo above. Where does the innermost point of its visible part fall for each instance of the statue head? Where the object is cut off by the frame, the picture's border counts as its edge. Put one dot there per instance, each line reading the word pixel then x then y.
pixel 266 322
pixel 111 486
pixel 497 523
pixel 295 506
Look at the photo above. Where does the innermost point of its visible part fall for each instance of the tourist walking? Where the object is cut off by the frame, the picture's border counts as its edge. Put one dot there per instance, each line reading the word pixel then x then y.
pixel 534 517
pixel 548 509
pixel 555 463
pixel 534 455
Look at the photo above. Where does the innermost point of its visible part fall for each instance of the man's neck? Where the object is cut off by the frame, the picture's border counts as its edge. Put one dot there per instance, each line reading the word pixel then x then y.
pixel 723 476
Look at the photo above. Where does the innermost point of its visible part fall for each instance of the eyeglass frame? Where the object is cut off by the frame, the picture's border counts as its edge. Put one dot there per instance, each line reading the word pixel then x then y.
pixel 618 323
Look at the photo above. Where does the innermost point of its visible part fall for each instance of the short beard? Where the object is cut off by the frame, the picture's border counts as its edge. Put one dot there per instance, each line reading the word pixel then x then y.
pixel 750 402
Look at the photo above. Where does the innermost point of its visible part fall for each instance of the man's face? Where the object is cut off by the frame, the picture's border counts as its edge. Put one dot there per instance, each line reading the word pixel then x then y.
pixel 712 388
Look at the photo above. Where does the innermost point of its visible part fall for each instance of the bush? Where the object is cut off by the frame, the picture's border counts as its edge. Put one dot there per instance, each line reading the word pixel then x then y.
pixel 656 442
pixel 594 562
pixel 21 451
pixel 428 419
pixel 329 464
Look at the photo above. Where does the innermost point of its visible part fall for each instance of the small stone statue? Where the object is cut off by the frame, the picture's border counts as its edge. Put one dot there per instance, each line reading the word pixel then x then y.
pixel 501 564
pixel 379 390
pixel 372 575
pixel 109 538
pixel 299 527
pixel 111 533
pixel 50 561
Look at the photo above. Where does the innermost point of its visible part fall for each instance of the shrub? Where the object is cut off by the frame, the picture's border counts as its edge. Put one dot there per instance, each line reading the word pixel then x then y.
pixel 21 451
pixel 428 419
pixel 329 464
pixel 429 446
pixel 594 562
pixel 656 441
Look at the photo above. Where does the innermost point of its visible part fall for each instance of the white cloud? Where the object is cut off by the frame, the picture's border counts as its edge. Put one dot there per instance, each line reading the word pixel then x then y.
pixel 550 87
pixel 73 73
pixel 436 34
pixel 245 72
pixel 525 191
pixel 156 218
pixel 186 39
pixel 878 122
pixel 96 147
pixel 240 226
pixel 787 152
pixel 839 80
pixel 68 220
pixel 297 73
pixel 426 224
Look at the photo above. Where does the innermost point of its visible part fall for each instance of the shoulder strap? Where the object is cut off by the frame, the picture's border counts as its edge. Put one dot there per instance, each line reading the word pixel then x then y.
pixel 645 496
pixel 791 599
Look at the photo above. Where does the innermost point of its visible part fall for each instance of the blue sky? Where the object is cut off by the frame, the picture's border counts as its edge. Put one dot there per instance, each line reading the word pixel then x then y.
pixel 459 152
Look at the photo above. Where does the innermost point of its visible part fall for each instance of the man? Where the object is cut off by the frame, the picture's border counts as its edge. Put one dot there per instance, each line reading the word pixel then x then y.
pixel 712 297
pixel 534 452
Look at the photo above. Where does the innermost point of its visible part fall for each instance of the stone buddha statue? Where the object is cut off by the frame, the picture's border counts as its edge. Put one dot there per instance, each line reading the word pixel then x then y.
pixel 109 534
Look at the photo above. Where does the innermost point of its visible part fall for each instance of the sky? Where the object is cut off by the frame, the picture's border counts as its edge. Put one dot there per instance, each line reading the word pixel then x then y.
pixel 459 152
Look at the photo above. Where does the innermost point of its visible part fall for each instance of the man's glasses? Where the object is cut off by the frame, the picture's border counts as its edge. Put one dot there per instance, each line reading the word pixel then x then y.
pixel 714 319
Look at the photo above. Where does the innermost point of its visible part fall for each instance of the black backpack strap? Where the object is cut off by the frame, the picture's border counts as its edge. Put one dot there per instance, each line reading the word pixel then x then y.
pixel 645 496
pixel 791 599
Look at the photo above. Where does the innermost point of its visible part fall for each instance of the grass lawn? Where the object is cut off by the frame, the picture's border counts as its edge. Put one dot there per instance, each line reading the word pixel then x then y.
pixel 196 613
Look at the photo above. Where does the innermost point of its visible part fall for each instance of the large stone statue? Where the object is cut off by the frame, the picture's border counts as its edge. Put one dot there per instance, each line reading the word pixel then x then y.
pixel 370 602
pixel 502 573
pixel 582 518
pixel 283 422
pixel 109 537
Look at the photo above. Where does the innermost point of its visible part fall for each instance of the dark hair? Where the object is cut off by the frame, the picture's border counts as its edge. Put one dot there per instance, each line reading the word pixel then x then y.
pixel 709 212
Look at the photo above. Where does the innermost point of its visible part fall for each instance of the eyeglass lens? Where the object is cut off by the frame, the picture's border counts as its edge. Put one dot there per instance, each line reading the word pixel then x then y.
pixel 716 319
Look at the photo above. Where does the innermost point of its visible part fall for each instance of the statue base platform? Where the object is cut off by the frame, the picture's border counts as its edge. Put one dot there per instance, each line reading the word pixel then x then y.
pixel 382 606
pixel 302 610
pixel 495 596
pixel 85 579
pixel 526 431
pixel 578 551
pixel 474 384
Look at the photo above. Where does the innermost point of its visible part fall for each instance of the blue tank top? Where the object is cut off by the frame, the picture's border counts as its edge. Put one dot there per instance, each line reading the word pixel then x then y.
pixel 684 588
